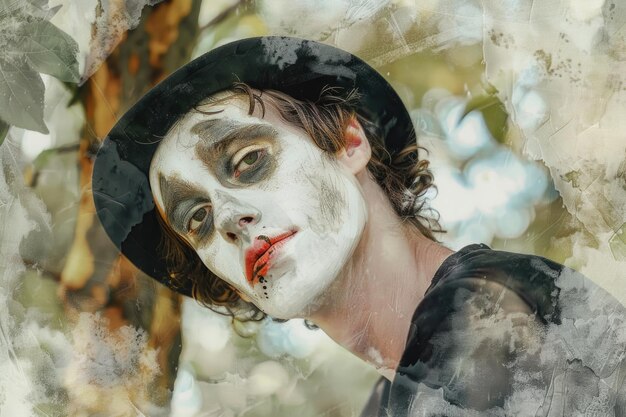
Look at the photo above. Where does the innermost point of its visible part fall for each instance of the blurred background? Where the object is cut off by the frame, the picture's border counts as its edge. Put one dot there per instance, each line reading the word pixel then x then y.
pixel 520 105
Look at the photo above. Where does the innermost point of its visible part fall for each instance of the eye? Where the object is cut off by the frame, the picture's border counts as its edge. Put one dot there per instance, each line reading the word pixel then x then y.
pixel 248 161
pixel 250 158
pixel 198 218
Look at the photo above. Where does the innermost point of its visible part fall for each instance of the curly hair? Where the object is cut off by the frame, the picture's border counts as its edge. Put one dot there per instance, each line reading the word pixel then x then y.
pixel 403 177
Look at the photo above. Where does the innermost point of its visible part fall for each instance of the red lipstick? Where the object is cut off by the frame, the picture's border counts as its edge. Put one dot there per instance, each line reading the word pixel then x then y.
pixel 260 253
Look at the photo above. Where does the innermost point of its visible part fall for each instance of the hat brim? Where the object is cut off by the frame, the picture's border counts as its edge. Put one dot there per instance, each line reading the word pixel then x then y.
pixel 300 68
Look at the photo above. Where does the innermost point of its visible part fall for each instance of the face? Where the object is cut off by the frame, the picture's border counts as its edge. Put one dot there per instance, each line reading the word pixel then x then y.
pixel 265 209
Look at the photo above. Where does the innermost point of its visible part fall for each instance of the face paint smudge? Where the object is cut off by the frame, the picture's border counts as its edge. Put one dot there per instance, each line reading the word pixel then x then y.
pixel 259 255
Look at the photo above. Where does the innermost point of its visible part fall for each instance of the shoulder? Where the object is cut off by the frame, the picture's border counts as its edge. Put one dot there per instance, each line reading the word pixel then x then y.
pixel 466 344
pixel 532 277
pixel 498 330
pixel 477 286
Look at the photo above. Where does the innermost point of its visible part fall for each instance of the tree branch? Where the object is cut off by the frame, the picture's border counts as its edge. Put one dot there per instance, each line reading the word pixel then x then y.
pixel 223 15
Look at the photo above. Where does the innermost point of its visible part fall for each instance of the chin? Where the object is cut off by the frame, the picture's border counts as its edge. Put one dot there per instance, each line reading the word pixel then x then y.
pixel 300 309
pixel 302 277
pixel 297 295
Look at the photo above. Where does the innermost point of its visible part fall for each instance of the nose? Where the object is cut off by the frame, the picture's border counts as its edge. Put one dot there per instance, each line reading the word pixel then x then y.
pixel 233 216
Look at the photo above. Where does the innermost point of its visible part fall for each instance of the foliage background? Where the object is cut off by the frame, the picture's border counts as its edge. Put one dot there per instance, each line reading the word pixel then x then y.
pixel 519 103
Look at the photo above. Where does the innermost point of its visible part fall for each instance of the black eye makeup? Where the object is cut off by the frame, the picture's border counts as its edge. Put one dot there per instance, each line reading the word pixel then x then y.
pixel 192 217
pixel 244 156
pixel 247 158
pixel 183 204
pixel 198 221
pixel 198 217
pixel 255 165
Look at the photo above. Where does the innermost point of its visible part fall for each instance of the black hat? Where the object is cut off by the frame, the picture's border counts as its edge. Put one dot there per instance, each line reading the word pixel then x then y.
pixel 297 67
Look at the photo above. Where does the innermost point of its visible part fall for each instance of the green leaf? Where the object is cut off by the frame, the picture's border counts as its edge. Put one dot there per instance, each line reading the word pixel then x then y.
pixel 26 8
pixel 21 96
pixel 4 129
pixel 41 4
pixel 44 157
pixel 48 50
pixel 9 6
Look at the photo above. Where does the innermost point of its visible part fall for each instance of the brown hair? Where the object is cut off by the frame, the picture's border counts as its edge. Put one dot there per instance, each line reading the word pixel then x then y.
pixel 403 177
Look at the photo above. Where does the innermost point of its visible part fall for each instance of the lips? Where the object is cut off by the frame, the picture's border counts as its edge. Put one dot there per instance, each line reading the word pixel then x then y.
pixel 260 254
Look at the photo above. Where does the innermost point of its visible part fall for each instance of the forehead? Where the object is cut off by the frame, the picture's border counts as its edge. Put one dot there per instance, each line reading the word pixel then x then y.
pixel 226 115
pixel 223 116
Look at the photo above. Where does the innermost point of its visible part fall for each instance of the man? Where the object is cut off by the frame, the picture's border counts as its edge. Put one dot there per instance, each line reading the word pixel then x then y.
pixel 280 177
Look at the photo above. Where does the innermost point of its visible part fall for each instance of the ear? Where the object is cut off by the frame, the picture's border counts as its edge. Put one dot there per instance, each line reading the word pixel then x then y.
pixel 357 152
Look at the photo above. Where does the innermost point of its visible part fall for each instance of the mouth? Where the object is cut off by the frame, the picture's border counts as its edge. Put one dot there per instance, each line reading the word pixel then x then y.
pixel 260 254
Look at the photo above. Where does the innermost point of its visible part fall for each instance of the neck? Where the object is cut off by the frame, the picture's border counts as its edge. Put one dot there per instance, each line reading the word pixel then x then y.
pixel 369 307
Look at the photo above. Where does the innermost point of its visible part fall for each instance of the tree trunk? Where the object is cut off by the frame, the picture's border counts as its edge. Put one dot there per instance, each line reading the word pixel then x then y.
pixel 95 277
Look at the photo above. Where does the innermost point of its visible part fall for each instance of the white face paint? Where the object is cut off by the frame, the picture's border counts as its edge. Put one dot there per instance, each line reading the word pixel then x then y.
pixel 266 210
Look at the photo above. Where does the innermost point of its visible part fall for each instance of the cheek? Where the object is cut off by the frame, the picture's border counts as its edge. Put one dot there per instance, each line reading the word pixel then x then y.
pixel 328 199
pixel 312 187
pixel 222 259
pixel 332 204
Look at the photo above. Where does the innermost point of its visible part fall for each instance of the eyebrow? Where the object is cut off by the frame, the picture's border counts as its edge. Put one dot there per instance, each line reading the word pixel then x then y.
pixel 223 131
pixel 178 197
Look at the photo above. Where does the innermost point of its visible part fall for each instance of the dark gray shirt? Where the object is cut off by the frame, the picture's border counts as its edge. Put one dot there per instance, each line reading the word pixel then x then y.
pixel 506 334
